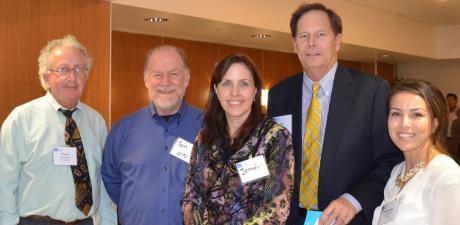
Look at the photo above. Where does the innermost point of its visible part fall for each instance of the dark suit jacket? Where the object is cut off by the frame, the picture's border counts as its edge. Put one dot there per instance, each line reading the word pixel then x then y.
pixel 357 155
pixel 453 144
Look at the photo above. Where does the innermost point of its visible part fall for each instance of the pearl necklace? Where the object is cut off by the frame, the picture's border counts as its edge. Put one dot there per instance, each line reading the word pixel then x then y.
pixel 403 178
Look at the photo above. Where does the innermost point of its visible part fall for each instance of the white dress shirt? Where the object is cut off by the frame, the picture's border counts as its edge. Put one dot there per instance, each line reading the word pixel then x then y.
pixel 431 197
pixel 30 184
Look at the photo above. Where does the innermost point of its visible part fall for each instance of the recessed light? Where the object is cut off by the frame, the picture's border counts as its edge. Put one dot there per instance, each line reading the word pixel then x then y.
pixel 261 36
pixel 156 19
pixel 385 56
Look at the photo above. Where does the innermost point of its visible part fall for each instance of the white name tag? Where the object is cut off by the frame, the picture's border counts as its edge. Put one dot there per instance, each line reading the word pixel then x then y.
pixel 389 211
pixel 182 150
pixel 252 169
pixel 65 156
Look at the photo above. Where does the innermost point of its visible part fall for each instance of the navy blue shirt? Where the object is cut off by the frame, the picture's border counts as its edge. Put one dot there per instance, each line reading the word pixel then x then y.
pixel 141 177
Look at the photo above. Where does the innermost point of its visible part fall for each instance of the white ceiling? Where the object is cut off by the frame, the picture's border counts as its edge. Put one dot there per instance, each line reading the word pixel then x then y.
pixel 434 12
pixel 131 19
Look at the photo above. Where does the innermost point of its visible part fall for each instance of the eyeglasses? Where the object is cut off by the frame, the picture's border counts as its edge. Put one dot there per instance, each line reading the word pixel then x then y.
pixel 63 71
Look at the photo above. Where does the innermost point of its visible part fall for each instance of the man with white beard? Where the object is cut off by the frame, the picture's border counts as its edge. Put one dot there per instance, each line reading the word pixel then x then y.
pixel 143 166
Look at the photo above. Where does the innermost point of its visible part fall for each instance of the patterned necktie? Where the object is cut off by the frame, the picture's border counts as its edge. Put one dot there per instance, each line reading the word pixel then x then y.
pixel 311 153
pixel 82 181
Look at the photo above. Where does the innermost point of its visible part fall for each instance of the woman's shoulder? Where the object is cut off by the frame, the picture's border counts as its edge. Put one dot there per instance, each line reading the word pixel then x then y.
pixel 274 127
pixel 443 170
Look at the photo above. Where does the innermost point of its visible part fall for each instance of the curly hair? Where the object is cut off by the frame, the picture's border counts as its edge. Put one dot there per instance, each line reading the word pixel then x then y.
pixel 45 53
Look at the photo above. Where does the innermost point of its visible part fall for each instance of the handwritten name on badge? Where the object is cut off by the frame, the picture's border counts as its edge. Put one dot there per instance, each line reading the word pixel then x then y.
pixel 182 150
pixel 252 169
pixel 65 156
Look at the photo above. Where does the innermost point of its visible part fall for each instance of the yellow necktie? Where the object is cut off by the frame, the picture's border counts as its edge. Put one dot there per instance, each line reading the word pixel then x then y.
pixel 311 153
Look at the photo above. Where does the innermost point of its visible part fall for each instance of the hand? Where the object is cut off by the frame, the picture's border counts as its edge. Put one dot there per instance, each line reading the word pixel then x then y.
pixel 340 211
pixel 187 211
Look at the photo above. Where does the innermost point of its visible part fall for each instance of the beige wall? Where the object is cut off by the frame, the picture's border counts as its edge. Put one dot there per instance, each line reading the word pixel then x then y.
pixel 445 74
pixel 448 42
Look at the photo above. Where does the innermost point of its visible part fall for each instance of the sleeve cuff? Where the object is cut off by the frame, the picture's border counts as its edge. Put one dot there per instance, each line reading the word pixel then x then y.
pixel 353 201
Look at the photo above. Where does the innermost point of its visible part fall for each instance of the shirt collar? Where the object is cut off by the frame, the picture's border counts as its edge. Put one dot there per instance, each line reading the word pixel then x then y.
pixel 181 110
pixel 326 82
pixel 55 104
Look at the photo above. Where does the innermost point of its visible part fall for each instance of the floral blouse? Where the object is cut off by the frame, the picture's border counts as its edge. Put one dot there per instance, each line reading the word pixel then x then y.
pixel 215 191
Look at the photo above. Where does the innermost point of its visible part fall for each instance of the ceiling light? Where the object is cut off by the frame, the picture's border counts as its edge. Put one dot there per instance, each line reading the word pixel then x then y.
pixel 156 20
pixel 261 36
pixel 385 56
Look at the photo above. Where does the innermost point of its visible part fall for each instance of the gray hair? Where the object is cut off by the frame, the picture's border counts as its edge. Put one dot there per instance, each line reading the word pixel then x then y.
pixel 178 50
pixel 43 59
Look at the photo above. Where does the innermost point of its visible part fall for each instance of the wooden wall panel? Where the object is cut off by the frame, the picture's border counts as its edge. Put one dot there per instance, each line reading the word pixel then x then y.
pixel 201 58
pixel 256 55
pixel 128 57
pixel 27 25
pixel 350 64
pixel 386 71
pixel 368 67
pixel 278 66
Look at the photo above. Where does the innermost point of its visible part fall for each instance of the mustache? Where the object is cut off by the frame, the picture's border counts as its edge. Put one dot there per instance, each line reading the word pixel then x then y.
pixel 164 89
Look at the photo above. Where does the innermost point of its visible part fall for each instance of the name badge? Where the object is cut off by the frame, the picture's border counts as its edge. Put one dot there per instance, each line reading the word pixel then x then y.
pixel 313 217
pixel 182 150
pixel 252 169
pixel 65 156
pixel 389 211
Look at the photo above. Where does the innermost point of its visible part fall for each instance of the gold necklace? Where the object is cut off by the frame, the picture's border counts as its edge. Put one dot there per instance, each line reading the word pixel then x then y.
pixel 402 178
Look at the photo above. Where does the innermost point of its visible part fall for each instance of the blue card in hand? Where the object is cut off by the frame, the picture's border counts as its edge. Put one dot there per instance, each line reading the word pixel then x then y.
pixel 313 217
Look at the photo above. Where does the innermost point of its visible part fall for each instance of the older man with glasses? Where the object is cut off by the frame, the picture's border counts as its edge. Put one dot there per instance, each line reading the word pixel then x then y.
pixel 51 148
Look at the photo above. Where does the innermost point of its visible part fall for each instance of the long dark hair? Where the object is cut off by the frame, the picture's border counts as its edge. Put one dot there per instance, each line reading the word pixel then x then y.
pixel 435 102
pixel 215 122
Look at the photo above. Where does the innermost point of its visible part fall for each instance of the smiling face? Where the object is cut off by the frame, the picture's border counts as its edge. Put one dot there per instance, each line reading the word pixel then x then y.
pixel 67 90
pixel 236 92
pixel 410 123
pixel 316 44
pixel 166 79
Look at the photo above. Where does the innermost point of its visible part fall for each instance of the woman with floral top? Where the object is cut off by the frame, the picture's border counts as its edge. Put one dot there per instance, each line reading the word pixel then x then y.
pixel 242 165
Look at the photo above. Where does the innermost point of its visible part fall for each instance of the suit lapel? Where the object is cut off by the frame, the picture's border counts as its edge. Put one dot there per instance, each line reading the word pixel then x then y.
pixel 339 107
pixel 293 103
pixel 295 106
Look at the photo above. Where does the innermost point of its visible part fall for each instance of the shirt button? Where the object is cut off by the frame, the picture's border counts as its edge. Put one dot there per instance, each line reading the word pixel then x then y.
pixel 163 210
pixel 166 148
pixel 166 168
pixel 166 130
pixel 163 188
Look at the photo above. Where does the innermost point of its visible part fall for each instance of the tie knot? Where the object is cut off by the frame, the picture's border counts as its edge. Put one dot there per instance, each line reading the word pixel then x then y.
pixel 67 113
pixel 315 88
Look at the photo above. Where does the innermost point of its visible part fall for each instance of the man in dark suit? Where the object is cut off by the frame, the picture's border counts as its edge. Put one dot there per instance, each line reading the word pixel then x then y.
pixel 356 153
pixel 453 132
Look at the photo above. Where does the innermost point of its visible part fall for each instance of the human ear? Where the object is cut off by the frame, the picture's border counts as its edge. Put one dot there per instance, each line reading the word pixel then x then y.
pixel 434 125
